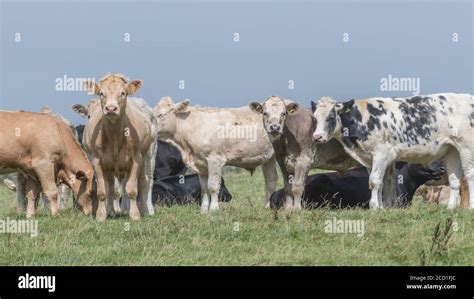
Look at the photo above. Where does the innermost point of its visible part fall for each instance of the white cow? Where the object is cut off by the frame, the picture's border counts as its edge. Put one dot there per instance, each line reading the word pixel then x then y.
pixel 420 129
pixel 209 138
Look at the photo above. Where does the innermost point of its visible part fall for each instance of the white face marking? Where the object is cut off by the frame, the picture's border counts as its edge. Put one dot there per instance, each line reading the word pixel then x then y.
pixel 274 115
pixel 321 114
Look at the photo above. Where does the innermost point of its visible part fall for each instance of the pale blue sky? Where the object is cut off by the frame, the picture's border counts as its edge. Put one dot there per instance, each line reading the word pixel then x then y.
pixel 193 41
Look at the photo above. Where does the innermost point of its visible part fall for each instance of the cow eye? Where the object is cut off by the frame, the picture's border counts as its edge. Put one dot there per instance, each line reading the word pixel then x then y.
pixel 284 114
pixel 265 114
pixel 123 93
pixel 101 94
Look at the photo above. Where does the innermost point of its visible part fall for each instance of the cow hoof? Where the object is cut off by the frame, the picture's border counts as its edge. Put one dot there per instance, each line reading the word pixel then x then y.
pixel 135 216
pixel 29 216
pixel 267 205
pixel 55 214
pixel 101 215
pixel 214 208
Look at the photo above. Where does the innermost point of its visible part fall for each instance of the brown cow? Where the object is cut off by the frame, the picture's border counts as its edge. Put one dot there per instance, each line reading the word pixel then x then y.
pixel 43 148
pixel 290 129
pixel 120 139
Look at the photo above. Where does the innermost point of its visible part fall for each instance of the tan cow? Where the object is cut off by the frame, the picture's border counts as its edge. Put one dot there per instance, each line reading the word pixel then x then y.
pixel 209 138
pixel 43 148
pixel 121 141
pixel 440 194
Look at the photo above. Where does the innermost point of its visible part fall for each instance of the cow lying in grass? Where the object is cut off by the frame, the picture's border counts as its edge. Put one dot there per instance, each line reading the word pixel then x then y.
pixel 351 189
pixel 182 189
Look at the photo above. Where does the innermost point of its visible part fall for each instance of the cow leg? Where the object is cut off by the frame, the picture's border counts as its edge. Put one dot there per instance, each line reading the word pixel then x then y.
pixel 454 171
pixel 467 162
pixel 389 193
pixel 63 196
pixel 32 192
pixel 151 161
pixel 271 178
pixel 297 188
pixel 287 177
pixel 124 200
pixel 214 183
pixel 20 190
pixel 110 193
pixel 146 182
pixel 131 188
pixel 117 208
pixel 205 200
pixel 46 176
pixel 143 187
pixel 377 173
pixel 101 213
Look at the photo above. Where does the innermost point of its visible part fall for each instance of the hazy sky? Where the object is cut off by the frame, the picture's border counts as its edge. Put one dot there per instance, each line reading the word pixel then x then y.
pixel 194 41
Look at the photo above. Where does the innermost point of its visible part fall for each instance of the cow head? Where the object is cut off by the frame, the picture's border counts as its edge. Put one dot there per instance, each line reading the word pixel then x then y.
pixel 434 171
pixel 81 182
pixel 113 91
pixel 274 110
pixel 166 113
pixel 326 113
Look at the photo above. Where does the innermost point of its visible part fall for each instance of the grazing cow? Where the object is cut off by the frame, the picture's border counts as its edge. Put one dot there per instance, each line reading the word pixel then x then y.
pixel 418 129
pixel 209 138
pixel 119 137
pixel 182 189
pixel 20 180
pixel 43 148
pixel 290 129
pixel 351 190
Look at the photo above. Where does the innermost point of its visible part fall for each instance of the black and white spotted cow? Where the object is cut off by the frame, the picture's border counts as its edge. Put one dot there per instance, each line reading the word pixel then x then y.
pixel 419 129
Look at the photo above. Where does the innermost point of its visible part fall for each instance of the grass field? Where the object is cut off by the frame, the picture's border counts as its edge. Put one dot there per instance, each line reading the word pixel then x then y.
pixel 242 232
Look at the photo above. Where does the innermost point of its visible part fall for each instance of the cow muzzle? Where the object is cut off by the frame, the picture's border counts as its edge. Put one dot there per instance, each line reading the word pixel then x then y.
pixel 319 138
pixel 111 110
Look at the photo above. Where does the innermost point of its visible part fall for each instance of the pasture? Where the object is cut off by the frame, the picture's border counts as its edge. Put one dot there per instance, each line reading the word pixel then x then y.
pixel 242 232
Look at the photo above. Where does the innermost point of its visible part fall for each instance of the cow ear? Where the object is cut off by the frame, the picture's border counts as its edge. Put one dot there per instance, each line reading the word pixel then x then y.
pixel 348 105
pixel 257 107
pixel 80 109
pixel 134 86
pixel 313 106
pixel 91 87
pixel 292 107
pixel 81 175
pixel 182 107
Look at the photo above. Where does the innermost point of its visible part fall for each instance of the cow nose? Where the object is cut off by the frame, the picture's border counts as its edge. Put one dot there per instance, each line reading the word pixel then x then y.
pixel 317 137
pixel 275 127
pixel 111 108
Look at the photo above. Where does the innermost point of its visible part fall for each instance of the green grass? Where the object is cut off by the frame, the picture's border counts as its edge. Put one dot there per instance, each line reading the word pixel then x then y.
pixel 242 232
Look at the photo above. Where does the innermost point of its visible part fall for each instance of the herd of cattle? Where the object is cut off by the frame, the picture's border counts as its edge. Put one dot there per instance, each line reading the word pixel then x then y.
pixel 129 156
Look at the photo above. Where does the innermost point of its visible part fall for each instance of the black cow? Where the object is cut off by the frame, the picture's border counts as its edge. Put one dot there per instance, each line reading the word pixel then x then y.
pixel 168 161
pixel 348 190
pixel 182 190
